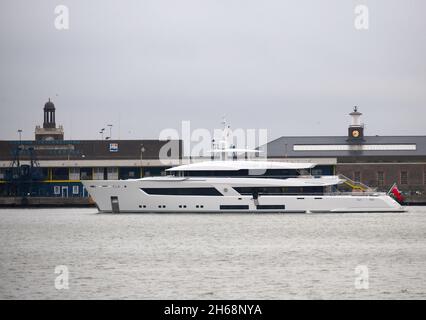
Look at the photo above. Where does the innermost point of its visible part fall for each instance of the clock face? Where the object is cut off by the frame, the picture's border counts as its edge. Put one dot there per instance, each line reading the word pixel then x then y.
pixel 355 133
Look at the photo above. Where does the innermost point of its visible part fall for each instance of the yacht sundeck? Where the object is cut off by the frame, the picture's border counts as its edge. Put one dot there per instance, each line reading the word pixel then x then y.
pixel 250 186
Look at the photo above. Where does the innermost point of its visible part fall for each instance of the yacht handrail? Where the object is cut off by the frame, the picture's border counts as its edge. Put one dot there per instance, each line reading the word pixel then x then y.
pixel 337 193
pixel 356 184
pixel 260 176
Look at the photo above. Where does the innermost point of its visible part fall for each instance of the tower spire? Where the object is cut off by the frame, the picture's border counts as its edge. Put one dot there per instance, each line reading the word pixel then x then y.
pixel 49 131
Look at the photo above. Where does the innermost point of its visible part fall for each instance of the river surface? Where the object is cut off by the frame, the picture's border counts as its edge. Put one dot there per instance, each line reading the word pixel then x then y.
pixel 211 256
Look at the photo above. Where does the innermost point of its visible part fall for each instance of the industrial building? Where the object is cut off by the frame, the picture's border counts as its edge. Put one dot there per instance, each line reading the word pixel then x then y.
pixel 377 161
pixel 50 166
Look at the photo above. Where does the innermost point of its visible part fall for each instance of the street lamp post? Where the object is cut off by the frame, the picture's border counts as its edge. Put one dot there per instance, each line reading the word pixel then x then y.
pixel 212 156
pixel 142 151
pixel 110 130
pixel 20 137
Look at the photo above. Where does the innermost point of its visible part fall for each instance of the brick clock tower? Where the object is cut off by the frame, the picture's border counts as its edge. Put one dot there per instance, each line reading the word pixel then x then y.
pixel 356 129
pixel 49 131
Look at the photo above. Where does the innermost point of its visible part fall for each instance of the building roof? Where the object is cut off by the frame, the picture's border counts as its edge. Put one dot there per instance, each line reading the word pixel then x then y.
pixel 49 105
pixel 338 146
pixel 90 149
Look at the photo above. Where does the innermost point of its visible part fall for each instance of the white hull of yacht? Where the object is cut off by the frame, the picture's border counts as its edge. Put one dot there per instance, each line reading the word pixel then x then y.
pixel 127 196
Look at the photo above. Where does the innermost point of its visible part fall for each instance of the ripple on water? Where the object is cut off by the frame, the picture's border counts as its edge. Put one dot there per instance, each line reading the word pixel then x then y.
pixel 211 256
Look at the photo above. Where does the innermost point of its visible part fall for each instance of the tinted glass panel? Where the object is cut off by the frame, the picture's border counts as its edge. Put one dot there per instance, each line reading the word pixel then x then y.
pixel 60 174
pixel 272 206
pixel 182 191
pixel 243 173
pixel 234 207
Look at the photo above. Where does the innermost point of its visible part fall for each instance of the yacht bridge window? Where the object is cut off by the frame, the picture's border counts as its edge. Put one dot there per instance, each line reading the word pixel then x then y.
pixel 317 190
pixel 242 173
pixel 182 191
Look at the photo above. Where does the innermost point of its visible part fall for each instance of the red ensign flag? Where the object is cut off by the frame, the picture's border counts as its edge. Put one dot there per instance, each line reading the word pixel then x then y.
pixel 396 193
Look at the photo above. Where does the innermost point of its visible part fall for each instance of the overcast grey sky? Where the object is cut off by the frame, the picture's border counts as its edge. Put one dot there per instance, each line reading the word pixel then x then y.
pixel 293 67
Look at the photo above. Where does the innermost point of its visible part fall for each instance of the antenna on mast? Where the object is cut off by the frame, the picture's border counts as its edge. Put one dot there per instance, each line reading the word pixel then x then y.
pixel 223 122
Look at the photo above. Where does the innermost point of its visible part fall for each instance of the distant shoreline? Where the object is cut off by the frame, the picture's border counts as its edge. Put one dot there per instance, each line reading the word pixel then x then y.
pixel 45 202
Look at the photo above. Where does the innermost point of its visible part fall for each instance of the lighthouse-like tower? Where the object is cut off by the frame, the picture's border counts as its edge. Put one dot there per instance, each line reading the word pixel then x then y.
pixel 49 130
pixel 356 129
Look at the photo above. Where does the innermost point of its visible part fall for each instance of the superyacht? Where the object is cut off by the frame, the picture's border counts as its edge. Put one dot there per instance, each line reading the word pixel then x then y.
pixel 243 186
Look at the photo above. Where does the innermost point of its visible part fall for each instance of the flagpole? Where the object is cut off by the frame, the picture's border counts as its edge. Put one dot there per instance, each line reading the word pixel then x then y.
pixel 391 188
